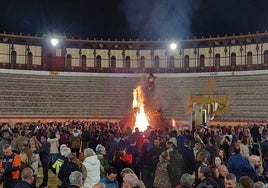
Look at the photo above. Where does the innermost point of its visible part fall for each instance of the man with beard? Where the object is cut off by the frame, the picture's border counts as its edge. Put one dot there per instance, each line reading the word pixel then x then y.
pixel 249 168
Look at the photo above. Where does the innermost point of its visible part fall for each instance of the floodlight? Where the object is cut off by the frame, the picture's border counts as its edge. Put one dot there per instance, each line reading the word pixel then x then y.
pixel 54 41
pixel 173 46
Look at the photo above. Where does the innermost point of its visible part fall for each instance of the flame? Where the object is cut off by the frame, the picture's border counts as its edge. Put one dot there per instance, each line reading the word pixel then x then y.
pixel 173 122
pixel 141 120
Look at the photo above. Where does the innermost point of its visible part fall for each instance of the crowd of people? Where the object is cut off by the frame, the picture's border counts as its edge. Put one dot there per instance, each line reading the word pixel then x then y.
pixel 97 155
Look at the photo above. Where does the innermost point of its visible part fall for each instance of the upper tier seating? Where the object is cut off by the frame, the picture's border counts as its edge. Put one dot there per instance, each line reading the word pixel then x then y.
pixel 33 93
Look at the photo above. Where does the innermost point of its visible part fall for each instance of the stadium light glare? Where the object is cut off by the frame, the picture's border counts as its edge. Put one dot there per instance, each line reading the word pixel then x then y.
pixel 54 41
pixel 173 46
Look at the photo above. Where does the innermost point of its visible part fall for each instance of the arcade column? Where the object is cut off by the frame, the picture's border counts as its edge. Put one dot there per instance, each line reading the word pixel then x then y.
pixel 53 53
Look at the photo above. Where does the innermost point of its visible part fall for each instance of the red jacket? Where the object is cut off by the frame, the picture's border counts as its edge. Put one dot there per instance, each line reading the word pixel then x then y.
pixel 127 158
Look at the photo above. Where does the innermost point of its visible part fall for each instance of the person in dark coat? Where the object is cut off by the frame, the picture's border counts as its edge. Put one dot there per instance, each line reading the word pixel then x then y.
pixel 264 146
pixel 111 147
pixel 44 152
pixel 215 175
pixel 86 135
pixel 134 150
pixel 188 157
pixel 206 180
pixel 145 164
pixel 66 169
pixel 27 178
pixel 176 166
pixel 212 149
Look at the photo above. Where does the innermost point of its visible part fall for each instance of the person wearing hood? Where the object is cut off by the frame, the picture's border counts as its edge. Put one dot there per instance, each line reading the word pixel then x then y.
pixel 75 143
pixel 90 168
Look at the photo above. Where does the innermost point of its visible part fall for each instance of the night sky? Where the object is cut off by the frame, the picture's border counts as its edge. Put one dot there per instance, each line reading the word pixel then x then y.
pixel 143 19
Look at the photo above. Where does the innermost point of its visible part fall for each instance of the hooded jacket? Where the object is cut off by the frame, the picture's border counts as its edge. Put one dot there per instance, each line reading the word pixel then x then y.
pixel 92 166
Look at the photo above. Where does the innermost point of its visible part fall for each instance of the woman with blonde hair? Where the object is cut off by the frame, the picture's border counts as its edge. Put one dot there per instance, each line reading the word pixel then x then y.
pixel 23 160
pixel 161 173
pixel 35 159
pixel 244 146
pixel 90 168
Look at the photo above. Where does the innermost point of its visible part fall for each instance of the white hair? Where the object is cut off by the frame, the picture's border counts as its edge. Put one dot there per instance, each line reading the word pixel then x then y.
pixel 65 151
pixel 75 177
pixel 89 152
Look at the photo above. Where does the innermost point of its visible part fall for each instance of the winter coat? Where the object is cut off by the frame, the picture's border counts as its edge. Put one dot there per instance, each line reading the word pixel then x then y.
pixel 65 170
pixel 161 179
pixel 249 171
pixel 209 183
pixel 176 167
pixel 109 184
pixel 235 164
pixel 92 166
pixel 23 184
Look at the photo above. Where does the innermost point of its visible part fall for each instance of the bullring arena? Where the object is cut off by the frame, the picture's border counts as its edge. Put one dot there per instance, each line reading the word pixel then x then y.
pixel 218 81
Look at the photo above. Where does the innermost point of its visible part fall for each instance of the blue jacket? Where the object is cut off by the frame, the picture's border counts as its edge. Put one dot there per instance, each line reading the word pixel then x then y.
pixel 249 171
pixel 236 163
pixel 110 184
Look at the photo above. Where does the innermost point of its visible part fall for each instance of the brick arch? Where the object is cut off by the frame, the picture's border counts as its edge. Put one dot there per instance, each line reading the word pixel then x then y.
pixel 202 60
pixel 142 62
pixel 249 58
pixel 69 60
pixel 98 61
pixel 84 62
pixel 128 62
pixel 186 61
pixel 233 59
pixel 113 62
pixel 265 54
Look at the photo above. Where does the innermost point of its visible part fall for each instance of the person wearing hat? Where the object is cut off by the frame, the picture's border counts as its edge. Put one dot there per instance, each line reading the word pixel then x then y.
pixel 101 154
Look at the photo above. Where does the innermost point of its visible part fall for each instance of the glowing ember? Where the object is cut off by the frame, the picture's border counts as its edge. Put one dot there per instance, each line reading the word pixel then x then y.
pixel 141 120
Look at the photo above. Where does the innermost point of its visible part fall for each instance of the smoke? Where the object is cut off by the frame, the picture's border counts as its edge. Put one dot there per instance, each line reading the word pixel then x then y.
pixel 153 19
